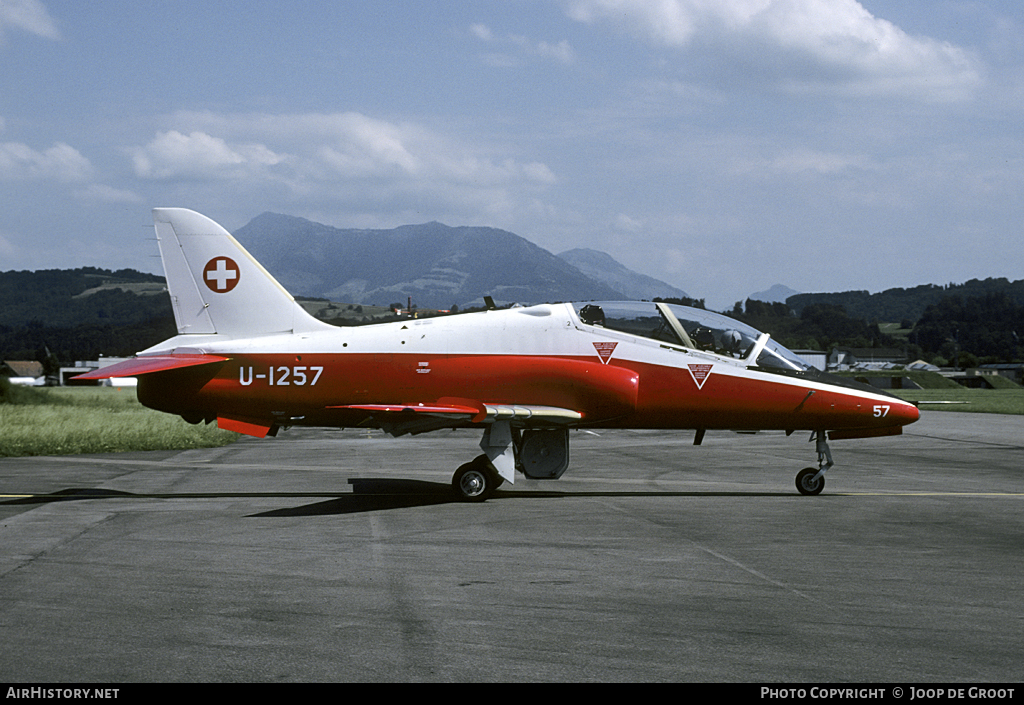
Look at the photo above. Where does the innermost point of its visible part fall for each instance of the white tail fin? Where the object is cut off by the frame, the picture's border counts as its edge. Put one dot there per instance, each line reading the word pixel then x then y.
pixel 217 287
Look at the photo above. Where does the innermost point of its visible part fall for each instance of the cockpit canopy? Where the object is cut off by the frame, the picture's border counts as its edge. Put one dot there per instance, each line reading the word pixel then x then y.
pixel 691 328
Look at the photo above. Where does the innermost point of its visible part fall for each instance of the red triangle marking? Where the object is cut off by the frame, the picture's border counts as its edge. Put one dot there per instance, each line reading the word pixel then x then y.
pixel 605 350
pixel 700 373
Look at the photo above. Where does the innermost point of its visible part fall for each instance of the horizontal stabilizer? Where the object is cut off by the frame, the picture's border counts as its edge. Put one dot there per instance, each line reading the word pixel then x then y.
pixel 150 363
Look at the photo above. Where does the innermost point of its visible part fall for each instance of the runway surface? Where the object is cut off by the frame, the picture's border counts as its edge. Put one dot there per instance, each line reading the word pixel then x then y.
pixel 338 556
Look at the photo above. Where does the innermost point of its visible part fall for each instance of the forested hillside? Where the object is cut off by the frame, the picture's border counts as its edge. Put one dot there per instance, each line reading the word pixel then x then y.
pixel 907 304
pixel 977 322
pixel 988 327
pixel 817 327
pixel 80 313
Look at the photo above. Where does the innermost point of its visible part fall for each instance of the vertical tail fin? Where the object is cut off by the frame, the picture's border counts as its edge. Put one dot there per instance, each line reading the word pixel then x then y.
pixel 217 287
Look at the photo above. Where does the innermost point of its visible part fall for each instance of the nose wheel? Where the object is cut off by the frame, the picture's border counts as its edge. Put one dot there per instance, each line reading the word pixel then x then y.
pixel 809 481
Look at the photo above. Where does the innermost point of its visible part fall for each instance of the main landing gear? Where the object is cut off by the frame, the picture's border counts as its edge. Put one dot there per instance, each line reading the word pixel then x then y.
pixel 476 480
pixel 538 453
pixel 811 481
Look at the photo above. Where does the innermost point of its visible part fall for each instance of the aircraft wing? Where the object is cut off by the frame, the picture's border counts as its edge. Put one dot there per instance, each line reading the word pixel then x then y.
pixel 151 363
pixel 400 419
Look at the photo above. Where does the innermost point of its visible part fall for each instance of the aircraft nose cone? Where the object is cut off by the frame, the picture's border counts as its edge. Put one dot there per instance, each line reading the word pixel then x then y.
pixel 906 413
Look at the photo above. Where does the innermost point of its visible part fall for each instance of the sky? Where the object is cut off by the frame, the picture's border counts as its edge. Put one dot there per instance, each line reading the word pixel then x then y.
pixel 722 146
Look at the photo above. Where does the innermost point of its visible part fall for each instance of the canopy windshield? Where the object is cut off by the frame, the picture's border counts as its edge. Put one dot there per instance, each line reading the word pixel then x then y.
pixel 687 327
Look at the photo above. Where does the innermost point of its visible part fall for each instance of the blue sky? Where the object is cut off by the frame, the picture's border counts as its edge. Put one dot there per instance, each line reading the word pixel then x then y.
pixel 720 145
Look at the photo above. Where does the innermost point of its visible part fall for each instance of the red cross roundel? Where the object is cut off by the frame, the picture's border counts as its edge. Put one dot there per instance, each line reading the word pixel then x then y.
pixel 221 274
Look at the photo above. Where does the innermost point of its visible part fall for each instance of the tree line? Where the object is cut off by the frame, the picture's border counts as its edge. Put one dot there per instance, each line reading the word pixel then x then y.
pixel 955 329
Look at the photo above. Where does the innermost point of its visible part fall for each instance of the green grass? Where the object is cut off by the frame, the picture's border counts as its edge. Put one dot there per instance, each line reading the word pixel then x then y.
pixel 1007 398
pixel 1000 382
pixel 986 401
pixel 63 421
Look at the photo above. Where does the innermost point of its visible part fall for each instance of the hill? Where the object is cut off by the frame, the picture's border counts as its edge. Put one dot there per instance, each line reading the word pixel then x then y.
pixel 79 313
pixel 601 267
pixel 907 304
pixel 435 264
pixel 778 293
pixel 71 297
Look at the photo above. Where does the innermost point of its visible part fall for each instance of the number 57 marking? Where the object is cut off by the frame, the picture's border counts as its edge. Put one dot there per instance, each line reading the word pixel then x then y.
pixel 881 410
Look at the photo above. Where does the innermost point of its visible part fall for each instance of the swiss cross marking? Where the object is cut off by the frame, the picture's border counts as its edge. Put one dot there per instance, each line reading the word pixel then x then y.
pixel 604 351
pixel 221 274
pixel 700 374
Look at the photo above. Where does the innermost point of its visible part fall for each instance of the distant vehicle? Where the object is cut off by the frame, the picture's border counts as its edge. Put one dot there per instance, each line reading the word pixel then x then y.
pixel 249 357
pixel 27 381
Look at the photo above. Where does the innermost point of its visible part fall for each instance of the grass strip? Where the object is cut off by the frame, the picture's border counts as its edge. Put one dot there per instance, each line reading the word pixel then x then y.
pixel 66 421
pixel 982 401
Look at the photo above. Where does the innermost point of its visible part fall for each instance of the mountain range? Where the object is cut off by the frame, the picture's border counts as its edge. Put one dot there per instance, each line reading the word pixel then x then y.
pixel 434 264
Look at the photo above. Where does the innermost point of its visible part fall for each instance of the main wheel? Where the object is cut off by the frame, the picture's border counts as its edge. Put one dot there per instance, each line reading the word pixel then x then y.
pixel 474 481
pixel 806 484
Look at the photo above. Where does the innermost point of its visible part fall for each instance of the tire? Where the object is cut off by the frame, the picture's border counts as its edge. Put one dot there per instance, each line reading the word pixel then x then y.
pixel 474 482
pixel 805 483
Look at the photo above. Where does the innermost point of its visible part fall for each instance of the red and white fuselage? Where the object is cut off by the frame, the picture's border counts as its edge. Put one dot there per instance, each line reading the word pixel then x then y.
pixel 248 356
pixel 536 356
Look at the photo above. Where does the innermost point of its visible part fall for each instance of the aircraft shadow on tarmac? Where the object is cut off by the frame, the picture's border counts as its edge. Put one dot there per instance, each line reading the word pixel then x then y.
pixel 371 494
pixel 380 493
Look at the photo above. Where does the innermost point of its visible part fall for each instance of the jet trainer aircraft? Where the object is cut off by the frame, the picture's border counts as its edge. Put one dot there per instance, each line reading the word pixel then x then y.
pixel 251 358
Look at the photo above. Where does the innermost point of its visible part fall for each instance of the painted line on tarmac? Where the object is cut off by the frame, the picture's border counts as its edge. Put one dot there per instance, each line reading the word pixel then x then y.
pixel 927 494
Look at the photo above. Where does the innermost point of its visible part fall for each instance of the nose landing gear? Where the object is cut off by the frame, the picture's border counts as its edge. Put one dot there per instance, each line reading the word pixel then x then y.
pixel 811 481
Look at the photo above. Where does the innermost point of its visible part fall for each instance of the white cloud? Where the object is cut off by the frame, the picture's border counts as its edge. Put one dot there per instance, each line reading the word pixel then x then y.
pixel 172 154
pixel 321 147
pixel 29 16
pixel 349 161
pixel 806 160
pixel 795 161
pixel 562 51
pixel 824 43
pixel 627 224
pixel 358 145
pixel 481 32
pixel 60 162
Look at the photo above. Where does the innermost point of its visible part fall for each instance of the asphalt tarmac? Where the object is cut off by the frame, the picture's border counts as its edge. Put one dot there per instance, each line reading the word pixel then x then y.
pixel 339 556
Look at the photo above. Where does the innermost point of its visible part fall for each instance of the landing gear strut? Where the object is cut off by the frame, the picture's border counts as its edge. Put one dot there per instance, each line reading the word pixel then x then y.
pixel 811 481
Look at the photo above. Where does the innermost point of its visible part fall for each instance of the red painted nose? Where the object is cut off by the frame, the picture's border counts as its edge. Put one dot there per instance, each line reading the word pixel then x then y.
pixel 905 413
